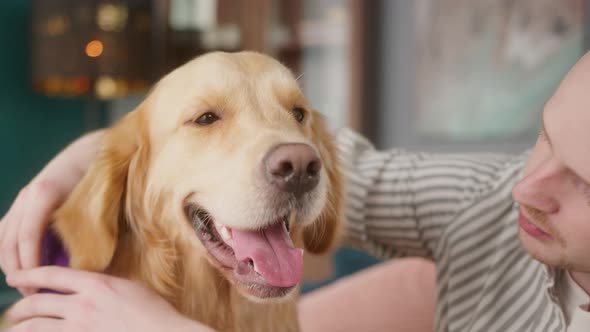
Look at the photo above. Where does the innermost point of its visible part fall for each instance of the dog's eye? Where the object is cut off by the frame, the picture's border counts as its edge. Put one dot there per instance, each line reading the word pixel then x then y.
pixel 298 113
pixel 207 119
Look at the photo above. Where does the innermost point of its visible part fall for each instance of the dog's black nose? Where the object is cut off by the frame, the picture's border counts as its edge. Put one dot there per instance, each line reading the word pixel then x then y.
pixel 293 168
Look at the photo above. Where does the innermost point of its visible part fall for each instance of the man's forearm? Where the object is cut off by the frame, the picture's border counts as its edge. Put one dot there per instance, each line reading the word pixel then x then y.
pixel 87 148
pixel 76 158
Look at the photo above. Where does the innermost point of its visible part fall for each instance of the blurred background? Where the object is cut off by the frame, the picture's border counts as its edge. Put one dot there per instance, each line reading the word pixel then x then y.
pixel 434 75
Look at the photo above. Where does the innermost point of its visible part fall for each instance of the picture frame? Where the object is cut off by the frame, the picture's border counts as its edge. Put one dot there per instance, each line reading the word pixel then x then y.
pixel 485 68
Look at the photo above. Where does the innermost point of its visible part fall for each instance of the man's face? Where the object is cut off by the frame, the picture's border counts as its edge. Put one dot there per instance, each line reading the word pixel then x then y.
pixel 554 195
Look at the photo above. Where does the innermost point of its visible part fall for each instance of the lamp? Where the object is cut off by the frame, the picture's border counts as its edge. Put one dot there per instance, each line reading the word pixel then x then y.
pixel 91 47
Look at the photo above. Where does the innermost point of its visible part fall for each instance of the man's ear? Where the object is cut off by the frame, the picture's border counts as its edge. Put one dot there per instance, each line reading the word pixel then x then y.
pixel 90 220
pixel 322 234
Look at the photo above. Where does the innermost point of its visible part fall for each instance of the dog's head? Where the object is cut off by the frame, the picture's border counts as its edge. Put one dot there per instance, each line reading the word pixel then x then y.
pixel 225 159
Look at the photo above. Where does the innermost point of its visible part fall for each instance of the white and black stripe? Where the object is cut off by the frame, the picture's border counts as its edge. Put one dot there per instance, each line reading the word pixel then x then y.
pixel 458 211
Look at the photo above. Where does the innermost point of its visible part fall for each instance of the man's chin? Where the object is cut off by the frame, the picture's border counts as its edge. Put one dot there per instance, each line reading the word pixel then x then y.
pixel 545 253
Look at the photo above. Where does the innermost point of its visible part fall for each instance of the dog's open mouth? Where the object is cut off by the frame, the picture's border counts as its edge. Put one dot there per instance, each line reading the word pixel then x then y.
pixel 264 261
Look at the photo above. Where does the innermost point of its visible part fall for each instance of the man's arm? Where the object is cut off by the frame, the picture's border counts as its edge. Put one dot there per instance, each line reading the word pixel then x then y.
pixel 24 223
pixel 400 203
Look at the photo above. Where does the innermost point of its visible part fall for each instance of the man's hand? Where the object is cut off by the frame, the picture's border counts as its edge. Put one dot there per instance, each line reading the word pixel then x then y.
pixel 90 302
pixel 22 228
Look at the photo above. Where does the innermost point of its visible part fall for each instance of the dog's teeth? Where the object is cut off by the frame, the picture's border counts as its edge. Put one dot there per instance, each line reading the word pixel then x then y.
pixel 302 251
pixel 226 233
pixel 256 268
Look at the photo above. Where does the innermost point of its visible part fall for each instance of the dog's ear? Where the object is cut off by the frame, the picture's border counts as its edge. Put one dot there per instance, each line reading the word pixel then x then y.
pixel 89 222
pixel 322 234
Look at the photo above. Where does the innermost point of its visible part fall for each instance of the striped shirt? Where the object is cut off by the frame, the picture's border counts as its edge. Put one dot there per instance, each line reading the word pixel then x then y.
pixel 458 211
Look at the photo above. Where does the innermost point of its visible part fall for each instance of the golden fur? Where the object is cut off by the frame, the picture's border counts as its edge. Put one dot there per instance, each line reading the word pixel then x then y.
pixel 126 216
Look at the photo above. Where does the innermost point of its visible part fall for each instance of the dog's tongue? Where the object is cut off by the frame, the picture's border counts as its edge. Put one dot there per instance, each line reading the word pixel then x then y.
pixel 276 259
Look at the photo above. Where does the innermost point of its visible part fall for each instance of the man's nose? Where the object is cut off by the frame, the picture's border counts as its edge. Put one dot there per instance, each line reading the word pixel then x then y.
pixel 541 187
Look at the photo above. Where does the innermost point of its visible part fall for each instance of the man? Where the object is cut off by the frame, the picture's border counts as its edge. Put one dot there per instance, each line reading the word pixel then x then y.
pixel 510 235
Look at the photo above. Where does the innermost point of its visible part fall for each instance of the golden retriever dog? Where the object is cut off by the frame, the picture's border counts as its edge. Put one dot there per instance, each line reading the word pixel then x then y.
pixel 210 191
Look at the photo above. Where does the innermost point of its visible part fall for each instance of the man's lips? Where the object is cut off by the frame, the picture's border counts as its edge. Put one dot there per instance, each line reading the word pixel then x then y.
pixel 530 228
